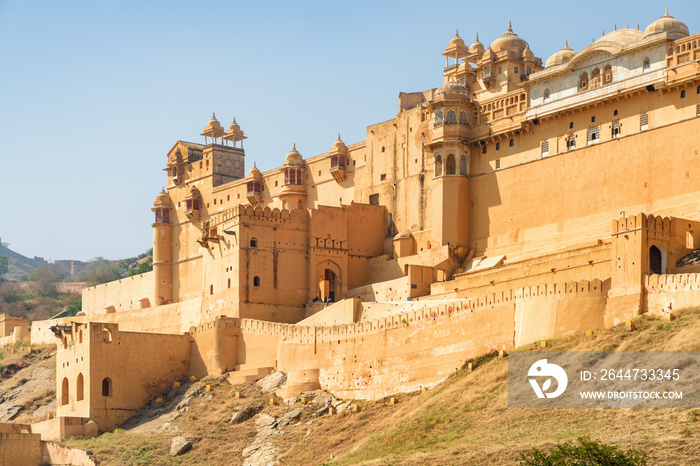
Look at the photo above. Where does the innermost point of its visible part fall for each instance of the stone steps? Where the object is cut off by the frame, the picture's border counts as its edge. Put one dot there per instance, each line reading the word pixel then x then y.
pixel 238 377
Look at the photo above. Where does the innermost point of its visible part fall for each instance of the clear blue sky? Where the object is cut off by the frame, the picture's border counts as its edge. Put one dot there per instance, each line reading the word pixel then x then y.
pixel 93 94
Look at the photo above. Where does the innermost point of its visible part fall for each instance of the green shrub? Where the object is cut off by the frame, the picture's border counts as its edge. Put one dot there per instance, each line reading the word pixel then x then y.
pixel 586 452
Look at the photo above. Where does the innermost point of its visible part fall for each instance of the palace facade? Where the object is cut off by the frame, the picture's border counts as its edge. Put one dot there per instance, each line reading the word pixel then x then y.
pixel 520 200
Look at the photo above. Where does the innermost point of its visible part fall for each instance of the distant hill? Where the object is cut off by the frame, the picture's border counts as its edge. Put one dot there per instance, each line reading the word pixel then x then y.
pixel 19 265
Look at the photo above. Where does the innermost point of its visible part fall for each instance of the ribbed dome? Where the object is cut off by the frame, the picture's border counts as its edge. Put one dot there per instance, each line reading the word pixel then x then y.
pixel 622 36
pixel 294 158
pixel 339 146
pixel 254 172
pixel 452 90
pixel 162 200
pixel 456 41
pixel 213 124
pixel 562 56
pixel 510 42
pixel 477 47
pixel 674 28
pixel 234 127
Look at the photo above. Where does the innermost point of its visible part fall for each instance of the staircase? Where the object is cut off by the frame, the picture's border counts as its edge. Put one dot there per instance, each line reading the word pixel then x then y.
pixel 243 373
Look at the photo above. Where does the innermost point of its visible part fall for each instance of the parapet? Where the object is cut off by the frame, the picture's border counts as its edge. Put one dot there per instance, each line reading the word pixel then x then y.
pixel 320 334
pixel 642 221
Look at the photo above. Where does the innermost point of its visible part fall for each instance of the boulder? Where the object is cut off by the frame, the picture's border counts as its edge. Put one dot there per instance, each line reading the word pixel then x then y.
pixel 272 382
pixel 179 445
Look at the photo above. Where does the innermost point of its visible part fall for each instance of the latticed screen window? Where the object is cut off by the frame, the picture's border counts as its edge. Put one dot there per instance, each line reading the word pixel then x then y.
pixel 545 149
pixel 593 135
pixel 616 129
pixel 697 111
pixel 644 121
pixel 498 164
pixel 571 142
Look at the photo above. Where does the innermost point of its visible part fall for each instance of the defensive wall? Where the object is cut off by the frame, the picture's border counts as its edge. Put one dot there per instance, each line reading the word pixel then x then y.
pixel 370 359
pixel 667 293
pixel 119 295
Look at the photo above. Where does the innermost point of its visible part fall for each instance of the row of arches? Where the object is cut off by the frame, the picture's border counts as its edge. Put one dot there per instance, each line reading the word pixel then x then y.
pixel 451 165
pixel 80 389
pixel 451 118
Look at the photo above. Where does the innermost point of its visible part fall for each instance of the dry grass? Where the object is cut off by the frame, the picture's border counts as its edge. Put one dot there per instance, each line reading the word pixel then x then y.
pixel 463 421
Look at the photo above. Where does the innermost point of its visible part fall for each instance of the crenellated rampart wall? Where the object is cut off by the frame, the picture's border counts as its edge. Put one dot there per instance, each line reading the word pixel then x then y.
pixel 374 358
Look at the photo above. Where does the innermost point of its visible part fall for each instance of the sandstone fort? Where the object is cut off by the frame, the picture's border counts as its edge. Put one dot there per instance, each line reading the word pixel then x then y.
pixel 518 200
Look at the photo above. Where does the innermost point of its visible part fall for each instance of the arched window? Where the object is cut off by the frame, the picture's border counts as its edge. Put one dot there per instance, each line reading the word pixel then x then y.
pixel 498 146
pixel 483 150
pixel 607 74
pixel 450 165
pixel 438 118
pixel 583 81
pixel 451 118
pixel 546 94
pixel 615 113
pixel 595 78
pixel 683 94
pixel 253 242
pixel 593 135
pixel 616 129
pixel 79 395
pixel 512 142
pixel 463 165
pixel 571 142
pixel 438 165
pixel 65 396
pixel 256 281
pixel 106 335
pixel 463 118
pixel 646 64
pixel 697 91
pixel 106 386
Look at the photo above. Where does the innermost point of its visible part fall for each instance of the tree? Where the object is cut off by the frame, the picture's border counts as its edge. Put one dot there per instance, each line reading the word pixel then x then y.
pixel 586 452
pixel 4 267
pixel 45 281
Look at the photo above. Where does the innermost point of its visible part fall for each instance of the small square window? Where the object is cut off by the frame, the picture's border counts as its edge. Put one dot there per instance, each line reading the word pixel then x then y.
pixel 592 119
pixel 383 177
pixel 571 125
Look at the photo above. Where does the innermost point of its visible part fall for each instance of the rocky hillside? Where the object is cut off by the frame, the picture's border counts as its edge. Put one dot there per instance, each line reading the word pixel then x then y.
pixel 19 265
pixel 463 421
pixel 27 383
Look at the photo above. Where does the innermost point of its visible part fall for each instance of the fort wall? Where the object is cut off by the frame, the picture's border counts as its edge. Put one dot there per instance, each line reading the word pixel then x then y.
pixel 669 293
pixel 121 295
pixel 374 358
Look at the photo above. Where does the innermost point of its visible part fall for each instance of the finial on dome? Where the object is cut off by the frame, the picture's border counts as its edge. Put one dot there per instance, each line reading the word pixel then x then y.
pixel 616 27
pixel 510 27
pixel 566 44
pixel 637 26
pixel 254 165
pixel 295 146
pixel 213 115
pixel 477 37
pixel 627 25
pixel 667 12
pixel 457 32
pixel 338 136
